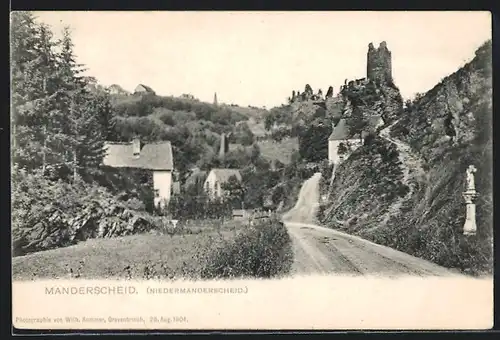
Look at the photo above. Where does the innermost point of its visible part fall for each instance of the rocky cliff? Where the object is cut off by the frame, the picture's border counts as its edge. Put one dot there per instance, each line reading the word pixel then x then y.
pixel 403 188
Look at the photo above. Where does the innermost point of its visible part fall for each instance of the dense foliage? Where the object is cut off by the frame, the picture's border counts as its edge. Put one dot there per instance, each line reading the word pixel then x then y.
pixel 263 250
pixel 56 119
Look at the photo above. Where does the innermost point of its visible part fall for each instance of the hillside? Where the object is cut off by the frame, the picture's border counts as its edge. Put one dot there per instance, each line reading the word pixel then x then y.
pixel 403 188
pixel 272 150
pixel 193 127
pixel 282 151
pixel 248 111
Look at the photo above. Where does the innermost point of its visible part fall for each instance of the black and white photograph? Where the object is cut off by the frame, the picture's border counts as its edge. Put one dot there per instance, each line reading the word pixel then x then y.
pixel 251 170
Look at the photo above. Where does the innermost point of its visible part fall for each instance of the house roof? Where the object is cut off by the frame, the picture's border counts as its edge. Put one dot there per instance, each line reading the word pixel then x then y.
pixel 341 130
pixel 153 156
pixel 223 175
pixel 198 175
pixel 117 88
pixel 147 88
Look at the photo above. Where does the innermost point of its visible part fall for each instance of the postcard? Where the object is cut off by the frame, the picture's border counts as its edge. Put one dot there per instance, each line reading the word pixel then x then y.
pixel 216 170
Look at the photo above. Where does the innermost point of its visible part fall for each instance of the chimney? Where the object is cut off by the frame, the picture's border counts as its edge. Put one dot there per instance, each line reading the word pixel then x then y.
pixel 136 142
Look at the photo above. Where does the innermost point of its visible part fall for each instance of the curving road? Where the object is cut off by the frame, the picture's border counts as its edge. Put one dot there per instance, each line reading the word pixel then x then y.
pixel 323 250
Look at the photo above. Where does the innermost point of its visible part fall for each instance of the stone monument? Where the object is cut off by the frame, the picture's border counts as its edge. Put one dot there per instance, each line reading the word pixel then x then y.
pixel 469 196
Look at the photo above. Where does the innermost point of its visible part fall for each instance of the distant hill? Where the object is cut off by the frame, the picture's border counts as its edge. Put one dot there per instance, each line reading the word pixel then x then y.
pixel 249 111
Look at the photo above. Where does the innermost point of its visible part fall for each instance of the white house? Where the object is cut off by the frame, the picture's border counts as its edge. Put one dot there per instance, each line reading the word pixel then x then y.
pixel 341 144
pixel 156 157
pixel 117 89
pixel 216 177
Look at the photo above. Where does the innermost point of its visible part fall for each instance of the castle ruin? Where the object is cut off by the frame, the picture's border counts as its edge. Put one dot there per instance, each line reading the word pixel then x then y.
pixel 379 64
pixel 378 70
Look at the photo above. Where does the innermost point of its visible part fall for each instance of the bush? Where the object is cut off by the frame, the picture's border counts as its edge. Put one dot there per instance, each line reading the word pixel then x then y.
pixel 134 204
pixel 264 251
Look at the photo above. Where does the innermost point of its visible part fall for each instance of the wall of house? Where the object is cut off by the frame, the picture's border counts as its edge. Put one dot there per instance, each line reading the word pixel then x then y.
pixel 162 184
pixel 333 147
pixel 209 184
pixel 212 185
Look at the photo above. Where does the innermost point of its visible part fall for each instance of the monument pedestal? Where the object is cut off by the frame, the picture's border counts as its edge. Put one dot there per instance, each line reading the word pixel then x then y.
pixel 470 226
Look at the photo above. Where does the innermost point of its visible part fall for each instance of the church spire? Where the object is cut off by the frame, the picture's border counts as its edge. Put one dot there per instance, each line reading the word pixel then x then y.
pixel 215 99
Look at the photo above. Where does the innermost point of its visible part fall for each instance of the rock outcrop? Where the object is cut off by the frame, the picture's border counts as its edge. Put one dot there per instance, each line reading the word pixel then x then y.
pixel 404 187
pixel 56 229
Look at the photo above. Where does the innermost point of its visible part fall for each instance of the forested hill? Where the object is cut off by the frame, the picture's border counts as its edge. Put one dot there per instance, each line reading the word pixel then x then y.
pixel 193 127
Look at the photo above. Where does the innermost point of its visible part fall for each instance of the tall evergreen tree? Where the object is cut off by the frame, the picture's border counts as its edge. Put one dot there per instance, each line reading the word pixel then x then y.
pixel 33 91
pixel 84 133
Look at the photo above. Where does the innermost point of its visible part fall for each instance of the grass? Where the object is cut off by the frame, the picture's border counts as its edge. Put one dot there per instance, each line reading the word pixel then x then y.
pixel 196 249
pixel 272 150
pixel 135 256
pixel 281 151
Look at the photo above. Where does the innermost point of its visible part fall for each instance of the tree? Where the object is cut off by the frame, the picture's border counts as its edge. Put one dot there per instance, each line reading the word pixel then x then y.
pixel 329 93
pixel 313 141
pixel 356 124
pixel 254 184
pixel 101 105
pixel 235 191
pixel 83 128
pixel 308 90
pixel 243 135
pixel 34 91
pixel 342 149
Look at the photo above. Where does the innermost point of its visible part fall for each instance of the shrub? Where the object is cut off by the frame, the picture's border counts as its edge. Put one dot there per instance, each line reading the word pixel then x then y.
pixel 134 204
pixel 263 250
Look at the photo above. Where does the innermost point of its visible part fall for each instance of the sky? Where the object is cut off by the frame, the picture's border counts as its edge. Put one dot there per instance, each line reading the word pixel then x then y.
pixel 259 58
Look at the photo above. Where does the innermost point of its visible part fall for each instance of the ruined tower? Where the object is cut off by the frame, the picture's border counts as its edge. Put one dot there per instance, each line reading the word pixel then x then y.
pixel 379 64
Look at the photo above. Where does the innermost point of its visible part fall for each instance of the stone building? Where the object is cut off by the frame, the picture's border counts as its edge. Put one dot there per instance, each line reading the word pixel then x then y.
pixel 341 143
pixel 215 179
pixel 379 63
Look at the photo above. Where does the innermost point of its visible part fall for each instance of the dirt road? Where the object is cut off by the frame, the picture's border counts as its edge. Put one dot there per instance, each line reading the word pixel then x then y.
pixel 324 250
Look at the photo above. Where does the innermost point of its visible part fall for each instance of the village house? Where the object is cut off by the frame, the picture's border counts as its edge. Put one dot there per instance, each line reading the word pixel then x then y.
pixel 117 90
pixel 216 177
pixel 156 157
pixel 341 143
pixel 143 89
